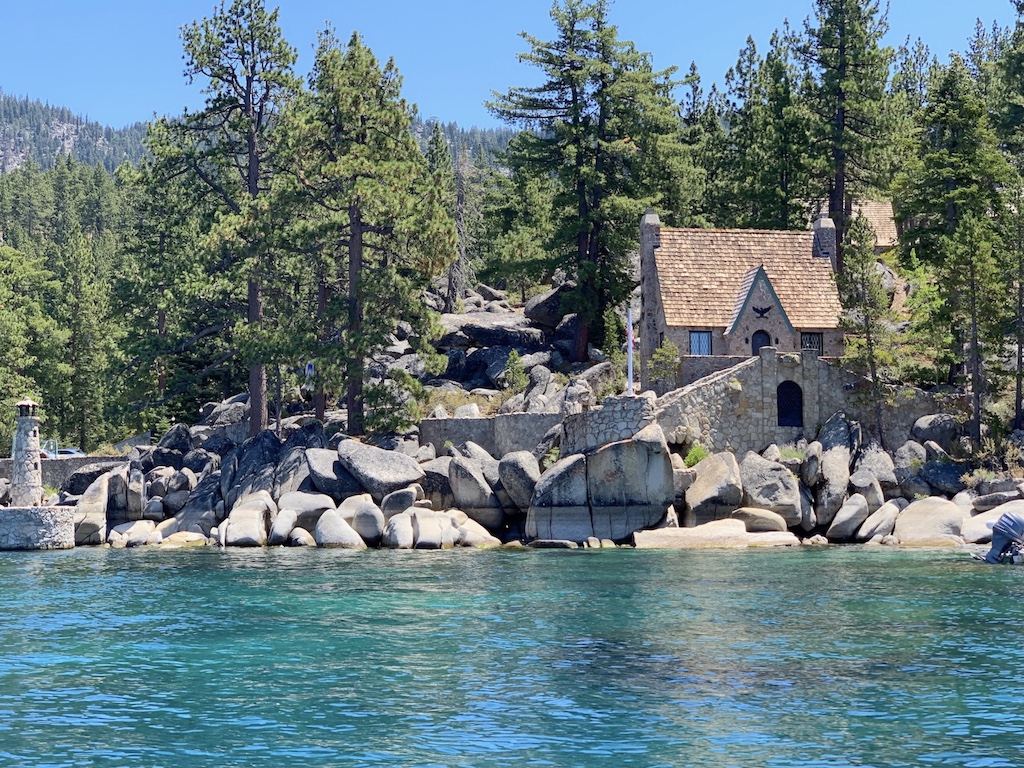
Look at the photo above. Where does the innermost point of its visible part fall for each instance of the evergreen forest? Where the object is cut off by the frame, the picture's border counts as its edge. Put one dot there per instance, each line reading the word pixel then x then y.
pixel 274 240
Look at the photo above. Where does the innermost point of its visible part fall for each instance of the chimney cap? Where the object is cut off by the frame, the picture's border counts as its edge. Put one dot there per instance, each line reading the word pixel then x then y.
pixel 27 407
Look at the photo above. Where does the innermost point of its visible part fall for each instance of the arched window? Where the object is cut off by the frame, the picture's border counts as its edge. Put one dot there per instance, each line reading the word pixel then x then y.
pixel 791 404
pixel 759 339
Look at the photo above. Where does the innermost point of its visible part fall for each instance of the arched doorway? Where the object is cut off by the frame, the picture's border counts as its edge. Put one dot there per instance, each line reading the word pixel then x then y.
pixel 758 340
pixel 790 400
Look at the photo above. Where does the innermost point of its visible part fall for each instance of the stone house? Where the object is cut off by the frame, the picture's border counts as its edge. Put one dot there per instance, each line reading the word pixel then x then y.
pixel 720 295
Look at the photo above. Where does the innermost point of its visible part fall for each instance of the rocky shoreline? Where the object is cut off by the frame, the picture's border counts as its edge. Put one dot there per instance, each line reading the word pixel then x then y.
pixel 197 487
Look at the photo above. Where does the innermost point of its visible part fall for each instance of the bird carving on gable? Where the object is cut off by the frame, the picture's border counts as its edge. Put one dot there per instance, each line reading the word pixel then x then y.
pixel 761 311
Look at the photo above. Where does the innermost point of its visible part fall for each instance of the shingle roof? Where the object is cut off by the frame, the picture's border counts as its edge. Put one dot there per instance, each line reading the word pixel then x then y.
pixel 701 272
pixel 880 218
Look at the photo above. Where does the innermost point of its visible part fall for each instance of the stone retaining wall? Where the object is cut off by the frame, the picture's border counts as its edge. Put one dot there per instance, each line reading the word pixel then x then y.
pixel 618 418
pixel 498 435
pixel 57 471
pixel 37 528
pixel 737 409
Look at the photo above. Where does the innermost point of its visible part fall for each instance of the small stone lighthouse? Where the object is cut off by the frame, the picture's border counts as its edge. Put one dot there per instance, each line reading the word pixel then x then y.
pixel 26 471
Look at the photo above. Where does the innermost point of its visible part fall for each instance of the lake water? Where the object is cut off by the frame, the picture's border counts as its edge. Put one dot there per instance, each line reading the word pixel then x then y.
pixel 835 657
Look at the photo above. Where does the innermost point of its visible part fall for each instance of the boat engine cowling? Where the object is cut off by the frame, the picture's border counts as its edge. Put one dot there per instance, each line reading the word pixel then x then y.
pixel 1008 531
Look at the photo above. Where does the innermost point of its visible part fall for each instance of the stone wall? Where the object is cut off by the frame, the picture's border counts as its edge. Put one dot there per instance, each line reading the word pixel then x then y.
pixel 618 418
pixel 695 367
pixel 737 409
pixel 57 471
pixel 498 435
pixel 37 528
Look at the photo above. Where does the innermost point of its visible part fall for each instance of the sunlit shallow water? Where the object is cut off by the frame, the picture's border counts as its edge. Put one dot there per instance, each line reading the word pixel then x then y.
pixel 836 657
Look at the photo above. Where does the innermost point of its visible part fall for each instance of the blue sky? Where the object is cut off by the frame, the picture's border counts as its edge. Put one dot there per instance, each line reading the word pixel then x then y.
pixel 119 61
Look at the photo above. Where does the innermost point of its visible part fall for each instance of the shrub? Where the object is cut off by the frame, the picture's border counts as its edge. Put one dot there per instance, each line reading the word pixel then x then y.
pixel 665 363
pixel 696 454
pixel 514 378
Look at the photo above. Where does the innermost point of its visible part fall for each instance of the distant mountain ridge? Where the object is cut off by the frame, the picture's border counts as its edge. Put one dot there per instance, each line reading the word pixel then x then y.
pixel 31 129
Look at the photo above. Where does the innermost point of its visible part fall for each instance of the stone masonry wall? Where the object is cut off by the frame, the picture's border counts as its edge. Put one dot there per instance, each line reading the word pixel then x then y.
pixel 737 409
pixel 498 435
pixel 618 418
pixel 57 471
pixel 37 528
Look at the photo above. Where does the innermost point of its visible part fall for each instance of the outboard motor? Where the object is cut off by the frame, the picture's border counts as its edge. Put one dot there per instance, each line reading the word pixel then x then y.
pixel 1007 534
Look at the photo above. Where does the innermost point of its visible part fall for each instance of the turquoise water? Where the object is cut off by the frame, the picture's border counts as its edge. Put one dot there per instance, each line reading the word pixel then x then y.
pixel 836 657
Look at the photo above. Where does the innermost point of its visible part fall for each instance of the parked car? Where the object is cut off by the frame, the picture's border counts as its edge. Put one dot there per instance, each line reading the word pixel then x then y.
pixel 62 453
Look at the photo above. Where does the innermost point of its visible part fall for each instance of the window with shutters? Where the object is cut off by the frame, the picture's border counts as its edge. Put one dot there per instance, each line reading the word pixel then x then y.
pixel 700 342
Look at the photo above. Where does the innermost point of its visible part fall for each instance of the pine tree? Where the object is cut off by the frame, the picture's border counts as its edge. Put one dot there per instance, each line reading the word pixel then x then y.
pixel 228 148
pixel 379 211
pixel 951 198
pixel 842 45
pixel 603 120
pixel 867 318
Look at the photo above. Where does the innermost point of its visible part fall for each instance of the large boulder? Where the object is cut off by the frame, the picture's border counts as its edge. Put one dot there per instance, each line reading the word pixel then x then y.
pixel 80 480
pixel 292 472
pixel 200 460
pixel 546 308
pixel 433 530
pixel 91 512
pixel 881 522
pixel 874 460
pixel 246 526
pixel 978 529
pixel 770 485
pixel 307 507
pixel 472 534
pixel 929 522
pixel 204 508
pixel 717 489
pixel 944 477
pixel 399 532
pixel 610 493
pixel 836 439
pixel 726 534
pixel 942 428
pixel 810 469
pixel 519 473
pixel 866 485
pixel 397 502
pixel 486 329
pixel 759 520
pixel 848 519
pixel 333 532
pixel 177 438
pixel 473 494
pixel 368 521
pixel 329 476
pixel 136 493
pixel 284 524
pixel 436 483
pixel 378 471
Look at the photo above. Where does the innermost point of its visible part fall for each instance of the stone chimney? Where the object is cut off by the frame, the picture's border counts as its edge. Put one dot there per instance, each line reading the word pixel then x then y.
pixel 650 291
pixel 825 245
pixel 26 471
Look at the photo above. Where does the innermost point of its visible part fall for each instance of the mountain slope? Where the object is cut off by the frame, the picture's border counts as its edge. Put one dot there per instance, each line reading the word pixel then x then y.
pixel 31 129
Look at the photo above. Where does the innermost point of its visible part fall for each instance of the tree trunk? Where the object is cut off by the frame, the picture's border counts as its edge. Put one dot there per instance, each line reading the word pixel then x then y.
pixel 319 396
pixel 976 382
pixel 354 398
pixel 1018 401
pixel 257 371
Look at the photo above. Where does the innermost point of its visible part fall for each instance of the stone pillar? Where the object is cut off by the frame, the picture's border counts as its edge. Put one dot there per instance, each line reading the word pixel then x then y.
pixel 26 471
pixel 650 293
